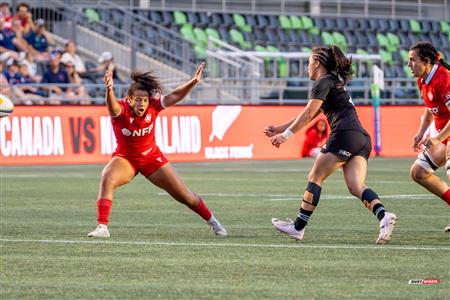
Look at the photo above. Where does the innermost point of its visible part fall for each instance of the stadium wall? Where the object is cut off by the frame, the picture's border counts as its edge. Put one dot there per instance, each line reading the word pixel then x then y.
pixel 74 135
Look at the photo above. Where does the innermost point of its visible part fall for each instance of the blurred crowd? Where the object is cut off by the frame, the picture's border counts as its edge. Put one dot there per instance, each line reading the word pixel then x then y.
pixel 29 55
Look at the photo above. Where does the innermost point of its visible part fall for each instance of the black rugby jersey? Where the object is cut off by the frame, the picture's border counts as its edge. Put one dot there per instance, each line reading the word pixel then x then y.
pixel 337 104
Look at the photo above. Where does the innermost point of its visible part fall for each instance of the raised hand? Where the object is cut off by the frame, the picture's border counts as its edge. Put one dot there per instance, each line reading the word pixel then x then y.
pixel 108 79
pixel 198 73
pixel 271 130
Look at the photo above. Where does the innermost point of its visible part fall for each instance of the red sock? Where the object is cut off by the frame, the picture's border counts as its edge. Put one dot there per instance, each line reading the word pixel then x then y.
pixel 202 210
pixel 446 197
pixel 103 209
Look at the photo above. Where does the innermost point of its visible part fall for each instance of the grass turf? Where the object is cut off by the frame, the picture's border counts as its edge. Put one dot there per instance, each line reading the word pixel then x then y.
pixel 160 250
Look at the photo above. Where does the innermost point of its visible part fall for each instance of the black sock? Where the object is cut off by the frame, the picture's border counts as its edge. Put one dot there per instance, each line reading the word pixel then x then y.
pixel 302 219
pixel 378 210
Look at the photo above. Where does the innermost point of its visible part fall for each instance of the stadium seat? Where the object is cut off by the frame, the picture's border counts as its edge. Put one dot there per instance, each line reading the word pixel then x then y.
pixel 414 25
pixel 327 38
pixel 296 22
pixel 238 38
pixel 285 22
pixel 92 15
pixel 179 18
pixel 239 21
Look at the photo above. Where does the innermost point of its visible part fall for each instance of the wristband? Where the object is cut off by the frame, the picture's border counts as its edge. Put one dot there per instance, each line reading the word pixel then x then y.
pixel 287 133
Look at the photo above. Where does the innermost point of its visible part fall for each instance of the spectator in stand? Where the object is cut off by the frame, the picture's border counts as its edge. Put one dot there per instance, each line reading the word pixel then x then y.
pixel 12 71
pixel 71 53
pixel 10 41
pixel 5 11
pixel 23 15
pixel 55 74
pixel 29 60
pixel 39 39
pixel 30 94
pixel 78 92
pixel 5 88
pixel 106 64
pixel 315 138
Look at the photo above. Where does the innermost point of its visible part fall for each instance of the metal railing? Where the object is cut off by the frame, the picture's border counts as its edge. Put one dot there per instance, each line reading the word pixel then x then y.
pixel 273 91
pixel 407 9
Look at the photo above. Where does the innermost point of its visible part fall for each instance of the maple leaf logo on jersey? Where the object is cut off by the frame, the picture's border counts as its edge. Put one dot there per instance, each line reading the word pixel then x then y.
pixel 126 132
pixel 148 118
pixel 430 95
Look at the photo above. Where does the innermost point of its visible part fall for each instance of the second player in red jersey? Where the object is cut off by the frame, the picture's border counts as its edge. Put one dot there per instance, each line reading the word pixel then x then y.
pixel 133 123
pixel 434 83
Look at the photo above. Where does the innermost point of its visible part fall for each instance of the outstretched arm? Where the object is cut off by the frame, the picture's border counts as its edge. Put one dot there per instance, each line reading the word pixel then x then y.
pixel 114 108
pixel 311 110
pixel 180 92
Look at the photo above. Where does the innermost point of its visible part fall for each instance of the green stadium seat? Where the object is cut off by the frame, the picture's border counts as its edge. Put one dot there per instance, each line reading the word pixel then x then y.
pixel 211 32
pixel 296 22
pixel 404 55
pixel 383 41
pixel 92 15
pixel 445 26
pixel 285 22
pixel 282 64
pixel 200 52
pixel 393 39
pixel 179 18
pixel 187 33
pixel 200 36
pixel 327 38
pixel 239 21
pixel 307 22
pixel 339 39
pixel 414 25
pixel 386 57
pixel 237 37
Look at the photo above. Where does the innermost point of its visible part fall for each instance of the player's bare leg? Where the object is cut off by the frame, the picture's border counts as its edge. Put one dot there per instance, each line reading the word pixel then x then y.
pixel 355 172
pixel 167 179
pixel 116 173
pixel 324 165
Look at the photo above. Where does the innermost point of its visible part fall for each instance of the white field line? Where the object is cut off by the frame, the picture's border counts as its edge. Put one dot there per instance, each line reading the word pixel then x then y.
pixel 236 245
pixel 286 197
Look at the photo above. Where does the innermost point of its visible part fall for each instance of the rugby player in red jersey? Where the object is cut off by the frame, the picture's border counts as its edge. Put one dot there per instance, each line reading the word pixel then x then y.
pixel 433 78
pixel 133 119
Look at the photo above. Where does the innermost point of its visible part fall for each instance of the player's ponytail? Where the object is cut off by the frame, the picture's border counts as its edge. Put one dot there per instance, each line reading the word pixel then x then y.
pixel 442 61
pixel 428 53
pixel 145 82
pixel 343 64
pixel 334 60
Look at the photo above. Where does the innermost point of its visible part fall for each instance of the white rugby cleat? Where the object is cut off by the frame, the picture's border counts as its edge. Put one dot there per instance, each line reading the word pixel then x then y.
pixel 217 227
pixel 387 225
pixel 101 231
pixel 447 229
pixel 287 226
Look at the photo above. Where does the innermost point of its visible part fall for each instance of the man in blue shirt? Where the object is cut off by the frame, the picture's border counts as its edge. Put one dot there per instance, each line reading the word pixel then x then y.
pixel 55 74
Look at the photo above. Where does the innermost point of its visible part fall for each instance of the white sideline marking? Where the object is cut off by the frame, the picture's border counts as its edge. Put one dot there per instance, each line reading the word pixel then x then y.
pixel 330 197
pixel 390 247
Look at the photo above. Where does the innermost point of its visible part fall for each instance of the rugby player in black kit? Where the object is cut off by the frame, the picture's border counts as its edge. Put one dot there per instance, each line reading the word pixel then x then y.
pixel 348 145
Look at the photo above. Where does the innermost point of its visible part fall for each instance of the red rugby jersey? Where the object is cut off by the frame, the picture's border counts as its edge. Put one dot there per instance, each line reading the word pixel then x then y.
pixel 135 135
pixel 435 92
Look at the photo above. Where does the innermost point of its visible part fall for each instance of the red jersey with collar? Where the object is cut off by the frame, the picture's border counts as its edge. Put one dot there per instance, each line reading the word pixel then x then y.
pixel 436 95
pixel 135 135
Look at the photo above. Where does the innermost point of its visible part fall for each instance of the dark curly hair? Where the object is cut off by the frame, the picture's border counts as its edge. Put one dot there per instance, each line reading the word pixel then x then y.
pixel 144 82
pixel 428 53
pixel 334 60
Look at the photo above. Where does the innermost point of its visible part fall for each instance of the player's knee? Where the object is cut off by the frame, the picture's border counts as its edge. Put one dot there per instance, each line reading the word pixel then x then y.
pixel 356 189
pixel 418 174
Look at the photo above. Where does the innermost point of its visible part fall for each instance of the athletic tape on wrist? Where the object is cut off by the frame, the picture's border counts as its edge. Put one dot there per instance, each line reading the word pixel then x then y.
pixel 287 133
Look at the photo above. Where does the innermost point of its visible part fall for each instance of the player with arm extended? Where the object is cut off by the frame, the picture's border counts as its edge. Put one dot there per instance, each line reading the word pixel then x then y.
pixel 133 120
pixel 433 78
pixel 348 145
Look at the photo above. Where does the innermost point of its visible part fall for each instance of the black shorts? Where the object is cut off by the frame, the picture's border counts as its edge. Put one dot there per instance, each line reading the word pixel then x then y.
pixel 347 144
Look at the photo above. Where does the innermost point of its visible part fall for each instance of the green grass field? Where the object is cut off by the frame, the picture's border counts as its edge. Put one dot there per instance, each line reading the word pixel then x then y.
pixel 161 250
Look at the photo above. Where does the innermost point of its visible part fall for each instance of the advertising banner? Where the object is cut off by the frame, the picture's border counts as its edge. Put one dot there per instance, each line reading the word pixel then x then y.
pixel 61 135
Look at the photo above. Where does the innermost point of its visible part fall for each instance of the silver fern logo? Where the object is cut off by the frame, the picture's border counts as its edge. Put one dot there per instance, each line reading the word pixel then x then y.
pixel 222 119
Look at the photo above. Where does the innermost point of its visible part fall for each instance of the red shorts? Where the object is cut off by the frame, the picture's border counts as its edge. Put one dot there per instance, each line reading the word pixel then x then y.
pixel 146 165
